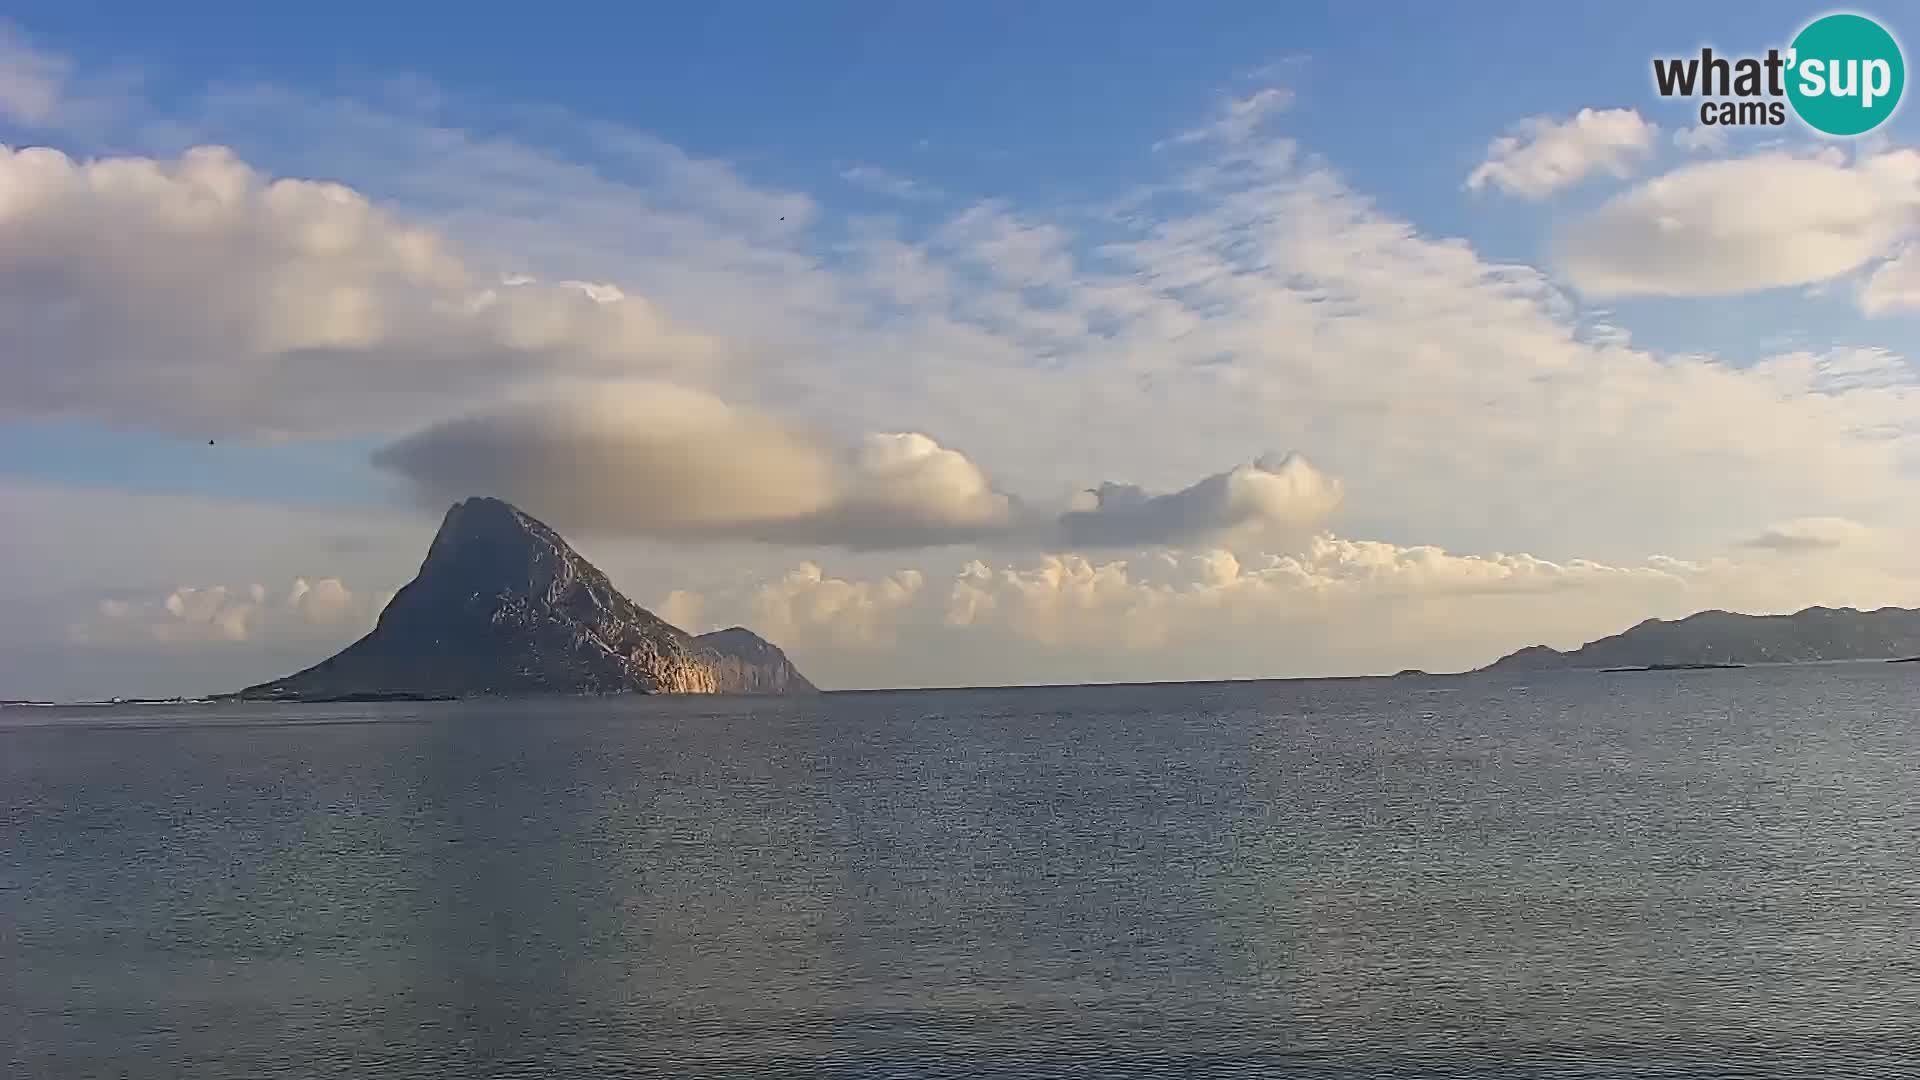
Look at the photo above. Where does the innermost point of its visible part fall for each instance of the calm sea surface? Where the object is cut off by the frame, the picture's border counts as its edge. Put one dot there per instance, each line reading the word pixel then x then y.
pixel 1685 874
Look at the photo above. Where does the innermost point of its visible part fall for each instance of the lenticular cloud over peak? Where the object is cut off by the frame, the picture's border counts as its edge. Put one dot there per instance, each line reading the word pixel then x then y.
pixel 656 460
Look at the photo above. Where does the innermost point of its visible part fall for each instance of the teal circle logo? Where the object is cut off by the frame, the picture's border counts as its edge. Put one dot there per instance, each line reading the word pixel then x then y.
pixel 1845 74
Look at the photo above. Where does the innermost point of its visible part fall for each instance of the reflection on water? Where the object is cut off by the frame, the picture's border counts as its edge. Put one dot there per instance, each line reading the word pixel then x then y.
pixel 1688 874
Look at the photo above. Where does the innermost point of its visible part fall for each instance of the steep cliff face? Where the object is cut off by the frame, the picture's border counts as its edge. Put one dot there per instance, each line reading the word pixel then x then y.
pixel 746 663
pixel 502 605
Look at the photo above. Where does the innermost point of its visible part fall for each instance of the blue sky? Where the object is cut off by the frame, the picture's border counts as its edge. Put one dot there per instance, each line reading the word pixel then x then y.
pixel 1043 105
pixel 1035 102
pixel 1075 90
pixel 1033 236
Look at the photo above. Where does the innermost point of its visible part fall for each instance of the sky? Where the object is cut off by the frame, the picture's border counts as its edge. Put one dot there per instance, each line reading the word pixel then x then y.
pixel 942 345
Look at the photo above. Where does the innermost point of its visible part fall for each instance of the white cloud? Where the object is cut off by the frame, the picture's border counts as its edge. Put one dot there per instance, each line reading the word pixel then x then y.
pixel 1018 253
pixel 1274 493
pixel 886 182
pixel 1760 222
pixel 198 296
pixel 1251 295
pixel 1143 603
pixel 1239 119
pixel 1327 605
pixel 896 271
pixel 1332 606
pixel 832 613
pixel 652 459
pixel 1544 155
pixel 325 601
pixel 323 609
pixel 1248 296
pixel 1430 381
pixel 638 457
pixel 195 613
pixel 1894 285
pixel 903 489
pixel 31 80
pixel 657 460
pixel 1702 139
pixel 691 234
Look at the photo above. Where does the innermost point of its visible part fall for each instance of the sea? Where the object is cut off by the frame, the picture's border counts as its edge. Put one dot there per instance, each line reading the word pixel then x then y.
pixel 1653 874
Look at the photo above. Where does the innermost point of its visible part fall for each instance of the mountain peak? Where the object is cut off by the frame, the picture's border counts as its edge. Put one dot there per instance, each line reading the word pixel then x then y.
pixel 491 554
pixel 737 635
pixel 483 514
pixel 490 538
pixel 503 605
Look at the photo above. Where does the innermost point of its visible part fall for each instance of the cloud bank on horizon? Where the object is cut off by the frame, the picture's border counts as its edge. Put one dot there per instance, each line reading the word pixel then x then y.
pixel 1230 417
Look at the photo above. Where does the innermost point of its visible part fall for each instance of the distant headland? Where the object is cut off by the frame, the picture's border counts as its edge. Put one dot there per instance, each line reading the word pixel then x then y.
pixel 1724 639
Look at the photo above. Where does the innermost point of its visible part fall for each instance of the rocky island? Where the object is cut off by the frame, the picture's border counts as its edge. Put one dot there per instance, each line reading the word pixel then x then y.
pixel 503 606
pixel 1725 639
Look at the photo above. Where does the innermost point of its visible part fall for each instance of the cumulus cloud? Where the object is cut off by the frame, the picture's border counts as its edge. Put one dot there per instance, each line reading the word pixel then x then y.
pixel 1761 222
pixel 1374 602
pixel 905 490
pixel 652 459
pixel 197 295
pixel 1543 154
pixel 808 605
pixel 1274 493
pixel 1142 603
pixel 1811 534
pixel 1250 293
pixel 69 549
pixel 324 608
pixel 1327 604
pixel 1330 606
